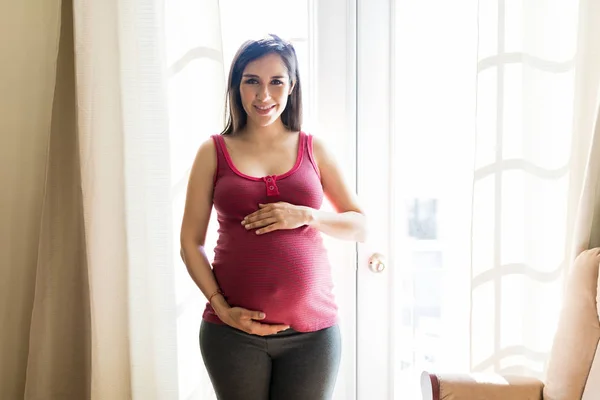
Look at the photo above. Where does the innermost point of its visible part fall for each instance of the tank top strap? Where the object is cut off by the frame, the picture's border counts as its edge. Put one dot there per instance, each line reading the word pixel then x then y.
pixel 222 167
pixel 219 143
pixel 308 152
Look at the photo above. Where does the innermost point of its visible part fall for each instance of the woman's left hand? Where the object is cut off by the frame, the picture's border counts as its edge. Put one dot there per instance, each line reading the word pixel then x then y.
pixel 276 216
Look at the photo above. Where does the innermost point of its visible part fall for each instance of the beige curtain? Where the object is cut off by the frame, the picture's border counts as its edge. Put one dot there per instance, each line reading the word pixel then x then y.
pixel 59 336
pixel 587 222
pixel 44 302
pixel 87 298
pixel 587 233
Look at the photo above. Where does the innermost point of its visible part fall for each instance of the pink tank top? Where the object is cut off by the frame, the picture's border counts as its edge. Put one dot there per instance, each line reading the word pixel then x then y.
pixel 286 273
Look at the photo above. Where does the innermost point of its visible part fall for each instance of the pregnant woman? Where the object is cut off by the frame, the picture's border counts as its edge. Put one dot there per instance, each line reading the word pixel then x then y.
pixel 269 329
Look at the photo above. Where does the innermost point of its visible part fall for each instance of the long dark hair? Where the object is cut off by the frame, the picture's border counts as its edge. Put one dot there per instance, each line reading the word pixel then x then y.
pixel 252 50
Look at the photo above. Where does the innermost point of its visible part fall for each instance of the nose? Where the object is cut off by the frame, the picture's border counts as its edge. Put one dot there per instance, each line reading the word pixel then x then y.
pixel 262 93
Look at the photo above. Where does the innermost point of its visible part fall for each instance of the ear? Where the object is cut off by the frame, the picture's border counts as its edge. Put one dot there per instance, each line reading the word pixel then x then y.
pixel 292 86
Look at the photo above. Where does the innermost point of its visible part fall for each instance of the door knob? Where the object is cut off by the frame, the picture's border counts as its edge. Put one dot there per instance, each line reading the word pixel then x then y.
pixel 377 262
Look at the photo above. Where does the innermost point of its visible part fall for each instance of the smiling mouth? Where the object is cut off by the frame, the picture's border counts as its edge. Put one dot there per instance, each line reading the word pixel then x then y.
pixel 264 109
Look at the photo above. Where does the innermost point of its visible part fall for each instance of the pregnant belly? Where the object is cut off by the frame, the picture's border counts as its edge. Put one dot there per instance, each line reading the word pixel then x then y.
pixel 282 292
pixel 285 274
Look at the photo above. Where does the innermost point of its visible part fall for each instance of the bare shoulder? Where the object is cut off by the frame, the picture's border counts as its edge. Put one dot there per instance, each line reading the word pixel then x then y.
pixel 208 146
pixel 321 151
pixel 335 186
pixel 198 204
pixel 207 154
pixel 205 162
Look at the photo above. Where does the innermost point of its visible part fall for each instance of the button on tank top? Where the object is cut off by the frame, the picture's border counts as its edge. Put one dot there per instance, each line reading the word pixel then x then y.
pixel 285 273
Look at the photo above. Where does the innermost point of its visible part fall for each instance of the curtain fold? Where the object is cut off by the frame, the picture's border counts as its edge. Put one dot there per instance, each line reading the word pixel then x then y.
pixel 586 231
pixel 86 274
pixel 87 285
pixel 100 124
pixel 587 228
pixel 59 345
pixel 124 147
pixel 29 47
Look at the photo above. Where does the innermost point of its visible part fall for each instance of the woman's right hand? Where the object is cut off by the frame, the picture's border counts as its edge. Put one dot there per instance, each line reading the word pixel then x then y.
pixel 248 321
pixel 243 319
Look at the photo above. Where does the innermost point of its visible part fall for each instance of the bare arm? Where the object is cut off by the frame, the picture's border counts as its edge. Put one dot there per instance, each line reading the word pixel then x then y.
pixel 198 207
pixel 196 216
pixel 348 222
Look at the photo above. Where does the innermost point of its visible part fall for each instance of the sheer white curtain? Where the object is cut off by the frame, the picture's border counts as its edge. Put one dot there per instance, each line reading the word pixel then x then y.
pixel 537 74
pixel 196 95
pixel 495 103
pixel 125 164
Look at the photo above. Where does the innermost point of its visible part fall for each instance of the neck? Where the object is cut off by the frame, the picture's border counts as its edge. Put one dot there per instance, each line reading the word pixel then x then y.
pixel 265 133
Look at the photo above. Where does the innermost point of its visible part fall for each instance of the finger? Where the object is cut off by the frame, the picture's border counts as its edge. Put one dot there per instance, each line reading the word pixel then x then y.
pixel 269 228
pixel 253 315
pixel 258 217
pixel 249 216
pixel 270 205
pixel 261 223
pixel 281 327
pixel 255 215
pixel 257 328
pixel 278 204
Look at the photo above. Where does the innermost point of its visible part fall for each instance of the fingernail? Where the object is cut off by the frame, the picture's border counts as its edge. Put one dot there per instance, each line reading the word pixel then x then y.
pixel 262 315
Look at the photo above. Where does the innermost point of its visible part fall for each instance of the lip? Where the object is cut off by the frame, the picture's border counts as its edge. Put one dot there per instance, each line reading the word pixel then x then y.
pixel 264 109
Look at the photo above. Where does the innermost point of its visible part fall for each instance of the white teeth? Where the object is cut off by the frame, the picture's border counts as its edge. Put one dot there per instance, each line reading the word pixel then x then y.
pixel 264 108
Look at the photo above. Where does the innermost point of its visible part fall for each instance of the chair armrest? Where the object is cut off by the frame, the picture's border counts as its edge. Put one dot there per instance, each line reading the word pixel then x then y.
pixel 479 387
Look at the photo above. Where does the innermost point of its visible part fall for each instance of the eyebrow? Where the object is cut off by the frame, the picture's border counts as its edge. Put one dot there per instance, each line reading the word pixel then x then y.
pixel 273 77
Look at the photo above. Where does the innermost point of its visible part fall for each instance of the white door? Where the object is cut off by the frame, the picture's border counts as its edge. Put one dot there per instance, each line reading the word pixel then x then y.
pixel 333 117
pixel 415 128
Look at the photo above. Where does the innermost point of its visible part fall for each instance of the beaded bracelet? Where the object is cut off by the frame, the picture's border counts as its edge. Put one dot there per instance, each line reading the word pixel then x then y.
pixel 216 292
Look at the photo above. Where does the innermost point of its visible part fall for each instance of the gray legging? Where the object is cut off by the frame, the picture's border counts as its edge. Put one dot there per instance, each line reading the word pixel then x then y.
pixel 289 365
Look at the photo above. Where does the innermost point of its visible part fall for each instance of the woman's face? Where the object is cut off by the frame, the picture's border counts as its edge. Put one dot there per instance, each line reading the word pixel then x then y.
pixel 264 89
